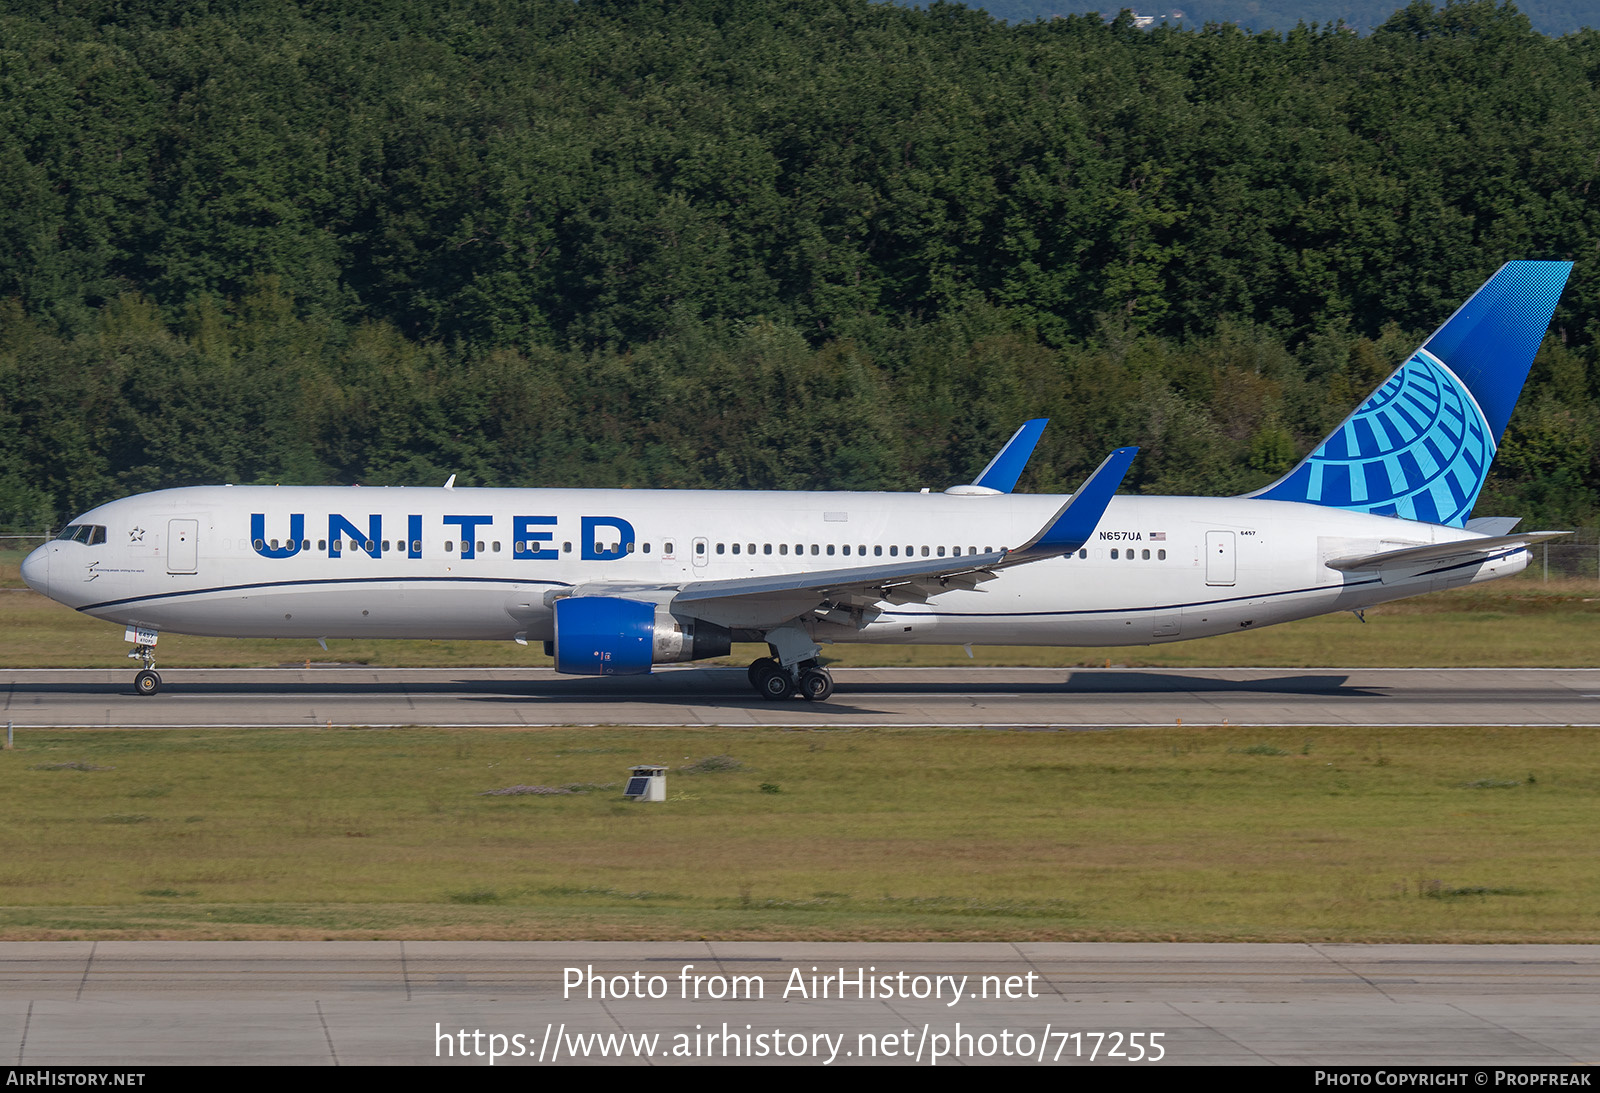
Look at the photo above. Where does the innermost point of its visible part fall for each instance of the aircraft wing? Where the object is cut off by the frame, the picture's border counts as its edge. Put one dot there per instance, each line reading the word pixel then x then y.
pixel 763 601
pixel 1439 555
pixel 740 602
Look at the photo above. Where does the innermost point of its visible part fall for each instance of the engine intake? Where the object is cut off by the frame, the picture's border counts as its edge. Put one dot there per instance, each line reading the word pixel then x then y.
pixel 610 636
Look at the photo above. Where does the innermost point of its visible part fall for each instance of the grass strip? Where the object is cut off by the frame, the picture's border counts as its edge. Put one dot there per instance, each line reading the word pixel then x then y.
pixel 1335 834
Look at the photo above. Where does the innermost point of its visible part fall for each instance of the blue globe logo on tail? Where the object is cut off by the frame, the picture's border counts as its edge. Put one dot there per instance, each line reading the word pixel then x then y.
pixel 1420 446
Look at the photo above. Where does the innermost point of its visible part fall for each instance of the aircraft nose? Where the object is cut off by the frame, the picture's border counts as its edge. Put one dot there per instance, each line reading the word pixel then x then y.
pixel 36 570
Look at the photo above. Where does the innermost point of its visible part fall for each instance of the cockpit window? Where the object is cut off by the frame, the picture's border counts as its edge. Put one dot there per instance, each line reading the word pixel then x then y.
pixel 90 534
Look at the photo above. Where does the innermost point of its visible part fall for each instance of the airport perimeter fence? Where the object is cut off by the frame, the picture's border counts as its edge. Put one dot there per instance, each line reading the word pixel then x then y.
pixel 1576 557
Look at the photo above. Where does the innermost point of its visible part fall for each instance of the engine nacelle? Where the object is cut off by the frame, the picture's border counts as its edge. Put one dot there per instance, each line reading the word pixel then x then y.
pixel 609 636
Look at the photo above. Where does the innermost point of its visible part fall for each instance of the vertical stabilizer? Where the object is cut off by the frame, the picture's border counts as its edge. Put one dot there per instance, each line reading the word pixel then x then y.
pixel 1420 446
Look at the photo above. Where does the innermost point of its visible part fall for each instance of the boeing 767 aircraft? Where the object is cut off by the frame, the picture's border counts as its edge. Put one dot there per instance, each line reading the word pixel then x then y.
pixel 616 581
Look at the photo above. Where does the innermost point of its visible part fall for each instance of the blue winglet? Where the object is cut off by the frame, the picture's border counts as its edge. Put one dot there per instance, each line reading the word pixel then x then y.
pixel 1420 446
pixel 1075 521
pixel 1005 468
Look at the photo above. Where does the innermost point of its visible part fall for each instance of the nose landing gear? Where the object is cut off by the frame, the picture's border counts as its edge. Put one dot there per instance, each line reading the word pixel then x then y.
pixel 148 681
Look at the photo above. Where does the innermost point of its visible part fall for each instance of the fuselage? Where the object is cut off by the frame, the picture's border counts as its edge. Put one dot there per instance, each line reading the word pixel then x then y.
pixel 332 562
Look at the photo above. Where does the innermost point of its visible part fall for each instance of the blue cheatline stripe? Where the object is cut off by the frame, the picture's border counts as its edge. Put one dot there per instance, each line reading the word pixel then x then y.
pixel 891 614
pixel 309 583
pixel 1197 603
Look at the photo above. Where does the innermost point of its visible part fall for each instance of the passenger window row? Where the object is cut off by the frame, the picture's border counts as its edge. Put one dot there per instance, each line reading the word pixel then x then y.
pixel 831 549
pixel 93 534
pixel 535 546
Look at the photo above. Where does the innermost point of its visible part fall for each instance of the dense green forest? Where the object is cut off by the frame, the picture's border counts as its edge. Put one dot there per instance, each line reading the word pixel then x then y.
pixel 760 243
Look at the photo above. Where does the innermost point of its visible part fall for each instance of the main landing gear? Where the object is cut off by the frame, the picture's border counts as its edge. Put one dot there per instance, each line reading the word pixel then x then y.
pixel 809 680
pixel 147 682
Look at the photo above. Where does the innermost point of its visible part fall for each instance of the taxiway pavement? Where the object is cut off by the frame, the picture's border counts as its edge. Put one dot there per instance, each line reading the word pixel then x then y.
pixel 127 1004
pixel 987 697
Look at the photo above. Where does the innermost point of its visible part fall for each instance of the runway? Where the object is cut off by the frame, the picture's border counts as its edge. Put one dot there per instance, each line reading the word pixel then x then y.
pixel 1051 698
pixel 136 1003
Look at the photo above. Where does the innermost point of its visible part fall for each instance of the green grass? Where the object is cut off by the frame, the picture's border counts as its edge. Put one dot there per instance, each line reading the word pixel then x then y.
pixel 1199 834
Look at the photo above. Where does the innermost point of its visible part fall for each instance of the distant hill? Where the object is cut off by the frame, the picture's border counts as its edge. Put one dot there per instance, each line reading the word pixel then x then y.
pixel 1552 17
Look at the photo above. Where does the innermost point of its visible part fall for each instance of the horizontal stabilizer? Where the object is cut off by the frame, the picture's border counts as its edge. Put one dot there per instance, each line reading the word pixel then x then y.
pixel 1493 525
pixel 1439 554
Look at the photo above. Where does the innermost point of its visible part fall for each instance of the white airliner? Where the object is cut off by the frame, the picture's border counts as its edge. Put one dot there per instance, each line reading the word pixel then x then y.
pixel 615 581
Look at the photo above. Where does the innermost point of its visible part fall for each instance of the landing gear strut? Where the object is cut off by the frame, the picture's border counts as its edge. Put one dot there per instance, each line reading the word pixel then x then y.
pixel 774 683
pixel 147 682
